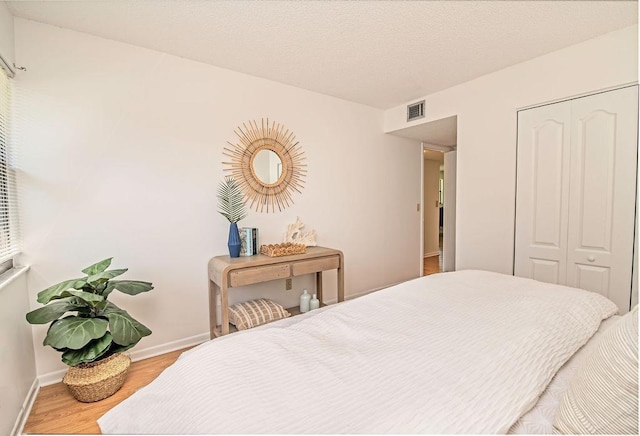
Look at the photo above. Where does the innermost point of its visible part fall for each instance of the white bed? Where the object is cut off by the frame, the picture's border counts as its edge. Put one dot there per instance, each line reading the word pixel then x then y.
pixel 539 420
pixel 463 352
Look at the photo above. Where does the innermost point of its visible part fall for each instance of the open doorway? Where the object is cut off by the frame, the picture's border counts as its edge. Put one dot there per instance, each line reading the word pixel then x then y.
pixel 440 137
pixel 432 211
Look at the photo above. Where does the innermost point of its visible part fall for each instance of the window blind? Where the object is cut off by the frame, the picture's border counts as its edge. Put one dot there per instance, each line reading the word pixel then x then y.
pixel 9 225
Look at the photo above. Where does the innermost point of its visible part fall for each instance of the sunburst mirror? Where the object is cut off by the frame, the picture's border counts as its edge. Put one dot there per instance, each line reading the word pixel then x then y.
pixel 266 161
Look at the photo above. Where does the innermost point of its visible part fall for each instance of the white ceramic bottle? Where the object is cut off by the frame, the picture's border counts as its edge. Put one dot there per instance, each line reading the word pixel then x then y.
pixel 304 301
pixel 314 303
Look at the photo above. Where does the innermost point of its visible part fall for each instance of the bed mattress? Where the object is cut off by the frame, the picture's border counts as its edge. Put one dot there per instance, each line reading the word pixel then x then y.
pixel 463 352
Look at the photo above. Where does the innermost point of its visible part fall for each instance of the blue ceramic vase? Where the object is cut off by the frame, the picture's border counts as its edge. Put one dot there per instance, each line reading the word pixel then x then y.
pixel 234 240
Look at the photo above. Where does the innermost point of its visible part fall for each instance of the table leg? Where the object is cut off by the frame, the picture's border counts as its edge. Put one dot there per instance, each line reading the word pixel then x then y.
pixel 224 306
pixel 212 309
pixel 319 286
pixel 341 279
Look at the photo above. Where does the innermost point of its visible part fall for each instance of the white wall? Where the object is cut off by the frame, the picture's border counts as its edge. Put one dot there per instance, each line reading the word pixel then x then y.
pixel 121 156
pixel 17 364
pixel 431 210
pixel 486 108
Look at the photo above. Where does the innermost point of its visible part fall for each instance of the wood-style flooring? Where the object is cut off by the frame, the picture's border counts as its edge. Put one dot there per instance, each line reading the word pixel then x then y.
pixel 432 265
pixel 55 411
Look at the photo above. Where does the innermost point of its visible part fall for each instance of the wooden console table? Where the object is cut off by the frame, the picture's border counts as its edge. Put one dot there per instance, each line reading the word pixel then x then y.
pixel 226 272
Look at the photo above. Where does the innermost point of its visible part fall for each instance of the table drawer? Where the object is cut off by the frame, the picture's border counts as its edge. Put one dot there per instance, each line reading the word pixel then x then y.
pixel 259 274
pixel 315 265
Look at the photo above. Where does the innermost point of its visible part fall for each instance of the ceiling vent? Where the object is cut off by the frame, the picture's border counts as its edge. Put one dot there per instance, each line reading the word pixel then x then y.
pixel 415 111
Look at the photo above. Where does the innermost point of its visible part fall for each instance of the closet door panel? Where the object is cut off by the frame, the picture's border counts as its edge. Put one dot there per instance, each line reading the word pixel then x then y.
pixel 542 192
pixel 593 278
pixel 545 270
pixel 595 150
pixel 602 193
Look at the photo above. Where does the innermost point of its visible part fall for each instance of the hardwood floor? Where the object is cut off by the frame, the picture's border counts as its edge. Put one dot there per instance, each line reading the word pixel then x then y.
pixel 55 411
pixel 432 265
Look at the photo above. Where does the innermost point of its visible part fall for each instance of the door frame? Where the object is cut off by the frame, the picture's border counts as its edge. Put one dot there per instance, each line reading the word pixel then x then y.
pixel 444 149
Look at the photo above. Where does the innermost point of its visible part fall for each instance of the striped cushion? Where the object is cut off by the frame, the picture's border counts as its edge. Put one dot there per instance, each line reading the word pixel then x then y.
pixel 255 312
pixel 603 394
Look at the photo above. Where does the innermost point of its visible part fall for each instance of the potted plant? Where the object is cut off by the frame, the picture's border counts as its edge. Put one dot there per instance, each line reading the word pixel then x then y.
pixel 90 331
pixel 233 208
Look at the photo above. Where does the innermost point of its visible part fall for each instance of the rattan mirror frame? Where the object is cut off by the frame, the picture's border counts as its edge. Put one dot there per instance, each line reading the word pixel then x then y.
pixel 261 196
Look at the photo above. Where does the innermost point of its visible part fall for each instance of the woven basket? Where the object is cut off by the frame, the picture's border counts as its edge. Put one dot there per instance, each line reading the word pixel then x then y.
pixel 95 381
pixel 283 249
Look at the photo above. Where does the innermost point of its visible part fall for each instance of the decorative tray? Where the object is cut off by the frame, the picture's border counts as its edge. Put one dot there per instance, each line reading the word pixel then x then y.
pixel 283 249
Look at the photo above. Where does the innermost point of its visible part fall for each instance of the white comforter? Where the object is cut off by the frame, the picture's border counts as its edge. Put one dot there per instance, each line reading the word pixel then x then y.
pixel 463 352
pixel 539 420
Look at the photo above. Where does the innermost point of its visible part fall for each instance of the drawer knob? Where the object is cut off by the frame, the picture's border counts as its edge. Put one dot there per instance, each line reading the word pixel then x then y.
pixel 591 258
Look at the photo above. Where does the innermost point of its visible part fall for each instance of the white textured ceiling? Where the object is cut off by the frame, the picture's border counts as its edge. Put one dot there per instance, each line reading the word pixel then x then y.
pixel 379 53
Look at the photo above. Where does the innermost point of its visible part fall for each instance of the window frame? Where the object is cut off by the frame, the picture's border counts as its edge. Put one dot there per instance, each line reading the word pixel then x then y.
pixel 9 220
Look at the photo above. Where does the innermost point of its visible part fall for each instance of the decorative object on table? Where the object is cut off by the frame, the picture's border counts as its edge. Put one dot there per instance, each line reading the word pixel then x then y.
pixel 295 235
pixel 267 162
pixel 232 207
pixel 246 248
pixel 249 241
pixel 283 249
pixel 91 340
pixel 305 300
pixel 256 312
pixel 314 303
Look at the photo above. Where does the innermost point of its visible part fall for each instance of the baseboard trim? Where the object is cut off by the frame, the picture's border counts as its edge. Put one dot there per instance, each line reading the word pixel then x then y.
pixel 51 378
pixel 145 353
pixel 433 253
pixel 169 347
pixel 21 420
pixel 360 294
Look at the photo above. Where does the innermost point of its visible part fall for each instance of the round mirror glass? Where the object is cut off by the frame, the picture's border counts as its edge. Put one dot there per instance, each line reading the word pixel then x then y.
pixel 267 166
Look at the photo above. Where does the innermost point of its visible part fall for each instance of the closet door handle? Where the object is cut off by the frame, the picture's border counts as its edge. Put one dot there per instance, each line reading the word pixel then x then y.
pixel 591 258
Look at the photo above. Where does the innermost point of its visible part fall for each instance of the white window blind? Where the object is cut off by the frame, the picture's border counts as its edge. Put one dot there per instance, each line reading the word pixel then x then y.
pixel 9 226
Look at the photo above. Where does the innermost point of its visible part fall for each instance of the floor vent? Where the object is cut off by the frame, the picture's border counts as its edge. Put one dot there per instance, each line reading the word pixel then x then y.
pixel 415 111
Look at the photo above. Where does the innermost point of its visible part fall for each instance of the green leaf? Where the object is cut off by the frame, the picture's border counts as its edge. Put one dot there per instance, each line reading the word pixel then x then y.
pixel 86 311
pixel 115 348
pixel 87 297
pixel 131 287
pixel 75 332
pixel 55 291
pixel 101 306
pixel 90 352
pixel 52 311
pixel 231 200
pixel 108 308
pixel 108 289
pixel 97 267
pixel 123 327
pixel 105 275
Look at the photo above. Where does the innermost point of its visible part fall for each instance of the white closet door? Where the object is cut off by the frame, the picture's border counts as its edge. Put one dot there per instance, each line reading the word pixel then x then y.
pixel 603 193
pixel 543 192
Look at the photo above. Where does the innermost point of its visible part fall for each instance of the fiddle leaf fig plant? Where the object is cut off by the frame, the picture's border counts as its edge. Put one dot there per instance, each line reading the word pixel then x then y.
pixel 85 326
